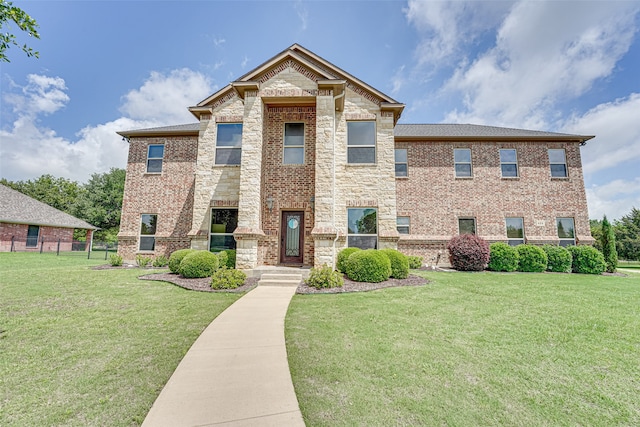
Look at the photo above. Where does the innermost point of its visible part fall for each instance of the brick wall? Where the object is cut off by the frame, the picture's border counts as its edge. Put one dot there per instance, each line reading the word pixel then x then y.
pixel 168 194
pixel 51 236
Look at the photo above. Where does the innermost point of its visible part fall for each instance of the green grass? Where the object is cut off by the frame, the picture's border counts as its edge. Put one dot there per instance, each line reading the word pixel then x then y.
pixel 81 347
pixel 629 265
pixel 471 349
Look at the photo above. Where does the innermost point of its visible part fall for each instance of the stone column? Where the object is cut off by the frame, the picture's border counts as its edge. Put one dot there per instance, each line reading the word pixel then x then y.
pixel 249 230
pixel 388 235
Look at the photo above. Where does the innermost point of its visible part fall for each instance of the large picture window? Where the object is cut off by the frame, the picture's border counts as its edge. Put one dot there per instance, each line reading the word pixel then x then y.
pixel 361 142
pixel 33 232
pixel 362 229
pixel 466 226
pixel 558 163
pixel 566 231
pixel 229 144
pixel 509 163
pixel 462 162
pixel 401 162
pixel 155 154
pixel 515 231
pixel 148 225
pixel 223 224
pixel 293 144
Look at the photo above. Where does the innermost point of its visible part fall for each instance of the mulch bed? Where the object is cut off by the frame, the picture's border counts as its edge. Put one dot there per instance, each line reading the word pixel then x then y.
pixel 201 285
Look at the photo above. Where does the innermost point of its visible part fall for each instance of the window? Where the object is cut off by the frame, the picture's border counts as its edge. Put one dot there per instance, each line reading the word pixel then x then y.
pixel 361 142
pixel 466 226
pixel 462 162
pixel 362 229
pixel 293 143
pixel 223 224
pixel 155 155
pixel 401 161
pixel 566 231
pixel 402 224
pixel 148 232
pixel 515 231
pixel 509 163
pixel 558 163
pixel 229 144
pixel 33 232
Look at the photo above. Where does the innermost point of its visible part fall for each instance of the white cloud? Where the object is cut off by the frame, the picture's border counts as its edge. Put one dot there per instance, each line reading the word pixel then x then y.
pixel 244 62
pixel 614 199
pixel 218 42
pixel 303 14
pixel 28 150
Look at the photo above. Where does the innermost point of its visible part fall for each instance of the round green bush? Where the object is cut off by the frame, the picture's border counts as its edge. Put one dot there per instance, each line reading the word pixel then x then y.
pixel 199 264
pixel 399 263
pixel 587 260
pixel 176 258
pixel 415 261
pixel 558 259
pixel 503 257
pixel 324 277
pixel 468 252
pixel 370 266
pixel 532 258
pixel 226 278
pixel 223 258
pixel 343 256
pixel 231 258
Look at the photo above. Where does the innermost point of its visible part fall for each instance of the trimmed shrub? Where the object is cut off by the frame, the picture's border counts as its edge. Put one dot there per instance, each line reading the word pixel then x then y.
pixel 558 259
pixel 324 277
pixel 587 260
pixel 226 278
pixel 223 258
pixel 415 262
pixel 343 256
pixel 231 258
pixel 198 264
pixel 115 260
pixel 176 258
pixel 532 258
pixel 399 263
pixel 468 252
pixel 160 261
pixel 370 265
pixel 503 257
pixel 143 261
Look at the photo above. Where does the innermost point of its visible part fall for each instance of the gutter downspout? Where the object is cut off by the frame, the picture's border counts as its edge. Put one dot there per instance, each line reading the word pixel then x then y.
pixel 335 98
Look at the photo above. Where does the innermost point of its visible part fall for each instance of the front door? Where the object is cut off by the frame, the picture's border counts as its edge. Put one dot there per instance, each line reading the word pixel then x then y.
pixel 292 237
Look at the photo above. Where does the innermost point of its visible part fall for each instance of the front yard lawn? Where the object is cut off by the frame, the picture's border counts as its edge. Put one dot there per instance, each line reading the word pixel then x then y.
pixel 471 349
pixel 81 347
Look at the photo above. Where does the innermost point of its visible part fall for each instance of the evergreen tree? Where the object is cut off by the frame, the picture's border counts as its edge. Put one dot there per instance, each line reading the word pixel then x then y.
pixel 608 243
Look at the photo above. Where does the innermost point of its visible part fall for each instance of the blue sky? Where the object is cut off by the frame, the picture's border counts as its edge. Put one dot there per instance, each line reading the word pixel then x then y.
pixel 105 66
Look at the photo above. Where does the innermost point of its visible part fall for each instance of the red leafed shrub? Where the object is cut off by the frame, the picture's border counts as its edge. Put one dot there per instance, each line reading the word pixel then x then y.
pixel 468 252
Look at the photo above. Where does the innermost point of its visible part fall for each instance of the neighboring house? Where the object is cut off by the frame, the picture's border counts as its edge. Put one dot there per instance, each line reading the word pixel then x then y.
pixel 298 159
pixel 29 225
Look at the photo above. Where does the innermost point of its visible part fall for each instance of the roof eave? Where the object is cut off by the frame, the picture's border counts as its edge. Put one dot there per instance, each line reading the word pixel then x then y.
pixel 581 139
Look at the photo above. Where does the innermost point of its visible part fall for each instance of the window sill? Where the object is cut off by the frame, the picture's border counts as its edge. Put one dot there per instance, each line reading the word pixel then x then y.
pixel 463 177
pixel 510 178
pixel 361 165
pixel 402 177
pixel 152 174
pixel 559 178
pixel 226 166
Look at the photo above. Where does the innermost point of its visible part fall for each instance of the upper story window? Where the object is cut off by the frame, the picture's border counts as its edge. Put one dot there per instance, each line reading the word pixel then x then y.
pixel 515 231
pixel 462 162
pixel 293 144
pixel 148 232
pixel 466 226
pixel 362 231
pixel 229 144
pixel 361 142
pixel 155 154
pixel 509 163
pixel 566 231
pixel 402 224
pixel 558 162
pixel 401 162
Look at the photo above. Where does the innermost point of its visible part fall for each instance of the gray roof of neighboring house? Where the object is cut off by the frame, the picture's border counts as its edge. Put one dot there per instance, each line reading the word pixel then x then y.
pixel 410 131
pixel 18 208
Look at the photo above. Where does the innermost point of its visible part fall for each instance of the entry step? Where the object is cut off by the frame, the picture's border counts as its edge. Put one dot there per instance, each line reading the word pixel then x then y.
pixel 280 279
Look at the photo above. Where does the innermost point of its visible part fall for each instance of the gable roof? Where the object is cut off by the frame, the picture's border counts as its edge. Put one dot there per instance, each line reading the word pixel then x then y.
pixel 18 208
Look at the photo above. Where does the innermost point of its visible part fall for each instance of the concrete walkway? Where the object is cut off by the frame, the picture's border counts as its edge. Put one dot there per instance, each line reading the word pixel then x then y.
pixel 236 373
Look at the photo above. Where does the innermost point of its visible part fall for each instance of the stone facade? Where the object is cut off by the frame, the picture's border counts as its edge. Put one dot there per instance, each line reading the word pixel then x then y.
pixel 297 86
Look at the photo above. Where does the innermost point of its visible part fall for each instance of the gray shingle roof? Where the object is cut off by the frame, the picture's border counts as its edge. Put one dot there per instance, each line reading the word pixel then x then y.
pixel 175 129
pixel 19 208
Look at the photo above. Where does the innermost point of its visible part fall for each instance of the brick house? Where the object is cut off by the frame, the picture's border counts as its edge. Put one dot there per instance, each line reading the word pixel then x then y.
pixel 298 159
pixel 29 225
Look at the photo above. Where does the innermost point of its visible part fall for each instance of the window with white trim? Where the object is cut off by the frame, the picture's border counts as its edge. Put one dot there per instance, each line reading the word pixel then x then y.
pixel 462 162
pixel 402 224
pixel 293 144
pixel 401 162
pixel 566 231
pixel 223 224
pixel 361 142
pixel 558 162
pixel 466 226
pixel 155 155
pixel 509 162
pixel 228 144
pixel 515 231
pixel 362 229
pixel 148 225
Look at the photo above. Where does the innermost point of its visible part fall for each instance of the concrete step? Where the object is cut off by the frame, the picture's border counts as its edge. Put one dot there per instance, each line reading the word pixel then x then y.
pixel 285 283
pixel 269 269
pixel 281 276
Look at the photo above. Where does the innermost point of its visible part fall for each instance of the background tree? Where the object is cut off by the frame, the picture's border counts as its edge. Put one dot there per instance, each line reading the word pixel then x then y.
pixel 596 233
pixel 60 193
pixel 627 232
pixel 608 243
pixel 9 13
